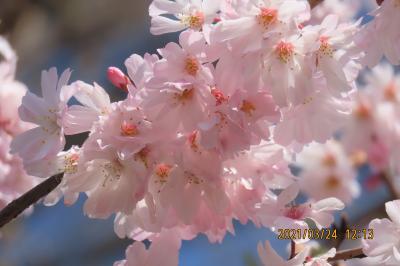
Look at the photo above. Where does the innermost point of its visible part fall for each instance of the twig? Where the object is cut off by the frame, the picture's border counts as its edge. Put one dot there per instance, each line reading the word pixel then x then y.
pixel 348 254
pixel 341 230
pixel 389 183
pixel 314 3
pixel 292 250
pixel 17 206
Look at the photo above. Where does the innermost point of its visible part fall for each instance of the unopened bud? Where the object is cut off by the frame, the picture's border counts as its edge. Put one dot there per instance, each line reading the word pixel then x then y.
pixel 118 78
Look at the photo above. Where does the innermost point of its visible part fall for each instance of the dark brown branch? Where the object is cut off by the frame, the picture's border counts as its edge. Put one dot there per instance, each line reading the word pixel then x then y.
pixel 341 229
pixel 17 206
pixel 348 254
pixel 390 185
pixel 314 3
pixel 292 249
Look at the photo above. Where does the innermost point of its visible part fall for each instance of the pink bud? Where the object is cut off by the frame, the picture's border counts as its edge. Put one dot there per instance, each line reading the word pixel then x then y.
pixel 118 78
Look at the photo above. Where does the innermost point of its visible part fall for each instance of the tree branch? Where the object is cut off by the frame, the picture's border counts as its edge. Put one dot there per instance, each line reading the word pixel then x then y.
pixel 341 230
pixel 390 185
pixel 17 206
pixel 292 250
pixel 348 254
pixel 314 3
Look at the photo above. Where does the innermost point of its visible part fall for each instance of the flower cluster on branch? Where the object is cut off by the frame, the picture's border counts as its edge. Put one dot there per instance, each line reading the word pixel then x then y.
pixel 213 126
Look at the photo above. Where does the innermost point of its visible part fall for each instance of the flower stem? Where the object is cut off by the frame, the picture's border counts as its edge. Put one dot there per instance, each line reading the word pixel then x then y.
pixel 390 185
pixel 348 254
pixel 314 3
pixel 17 206
pixel 292 249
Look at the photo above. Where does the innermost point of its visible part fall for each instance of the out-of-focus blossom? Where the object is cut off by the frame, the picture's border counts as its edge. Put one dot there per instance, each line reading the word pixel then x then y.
pixel 327 172
pixel 14 180
pixel 373 127
pixel 380 36
pixel 345 9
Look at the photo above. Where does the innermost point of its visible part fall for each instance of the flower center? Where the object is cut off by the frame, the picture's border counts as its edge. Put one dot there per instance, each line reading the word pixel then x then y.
pixel 162 171
pixel 192 66
pixel 185 96
pixel 358 158
pixel 307 100
pixel 267 17
pixel 332 182
pixel 362 111
pixel 111 171
pixel 71 163
pixel 285 51
pixel 329 160
pixel 247 107
pixel 294 212
pixel 325 48
pixel 194 21
pixel 192 140
pixel 193 179
pixel 142 155
pixel 129 129
pixel 390 92
pixel 219 96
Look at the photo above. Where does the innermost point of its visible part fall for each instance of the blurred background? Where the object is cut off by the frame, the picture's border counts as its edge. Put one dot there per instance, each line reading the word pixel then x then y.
pixel 88 36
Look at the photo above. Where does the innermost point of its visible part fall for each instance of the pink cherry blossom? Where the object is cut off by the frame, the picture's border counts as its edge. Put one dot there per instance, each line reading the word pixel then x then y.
pixel 329 48
pixel 380 36
pixel 327 172
pixel 14 180
pixel 184 62
pixel 229 124
pixel 385 244
pixel 188 14
pixel 256 20
pixel 375 114
pixel 106 176
pixel 280 211
pixel 95 104
pixel 269 257
pixel 163 251
pixel 11 92
pixel 47 139
pixel 302 123
pixel 140 70
pixel 345 9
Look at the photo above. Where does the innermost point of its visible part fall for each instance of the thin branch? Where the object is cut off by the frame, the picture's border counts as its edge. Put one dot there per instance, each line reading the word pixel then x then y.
pixel 390 185
pixel 341 230
pixel 292 249
pixel 17 206
pixel 314 3
pixel 348 254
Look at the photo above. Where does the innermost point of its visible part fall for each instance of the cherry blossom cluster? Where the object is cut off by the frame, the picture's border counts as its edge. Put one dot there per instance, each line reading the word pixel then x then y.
pixel 212 125
pixel 13 179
